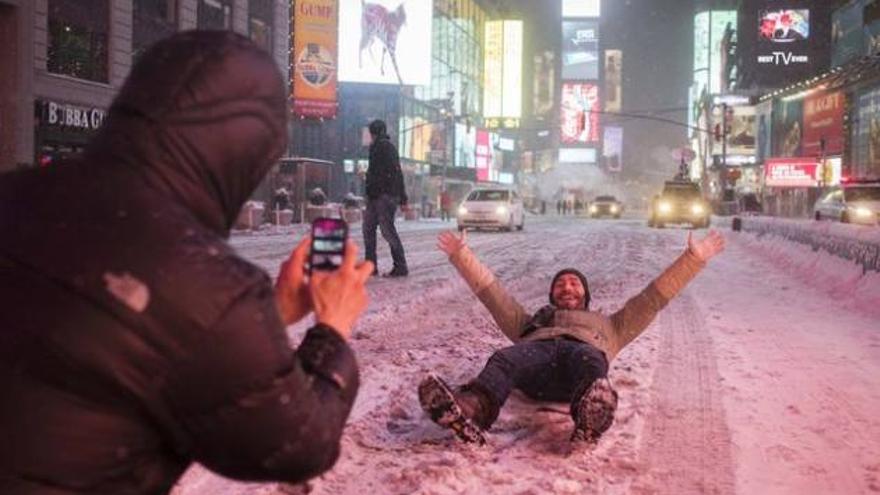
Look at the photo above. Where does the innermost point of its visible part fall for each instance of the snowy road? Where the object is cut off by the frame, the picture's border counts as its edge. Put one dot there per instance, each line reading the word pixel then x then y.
pixel 752 381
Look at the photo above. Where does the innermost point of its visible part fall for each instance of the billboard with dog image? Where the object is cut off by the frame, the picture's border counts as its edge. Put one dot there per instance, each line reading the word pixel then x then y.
pixel 385 41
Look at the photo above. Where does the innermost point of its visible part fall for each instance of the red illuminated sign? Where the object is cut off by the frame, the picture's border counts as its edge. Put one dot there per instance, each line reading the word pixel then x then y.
pixel 823 120
pixel 580 113
pixel 791 172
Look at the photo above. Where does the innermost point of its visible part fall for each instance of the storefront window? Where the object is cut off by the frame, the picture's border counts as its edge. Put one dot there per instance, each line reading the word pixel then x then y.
pixel 153 21
pixel 78 38
pixel 260 23
pixel 215 14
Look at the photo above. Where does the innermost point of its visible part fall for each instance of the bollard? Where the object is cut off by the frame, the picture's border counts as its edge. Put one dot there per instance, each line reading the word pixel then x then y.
pixel 737 224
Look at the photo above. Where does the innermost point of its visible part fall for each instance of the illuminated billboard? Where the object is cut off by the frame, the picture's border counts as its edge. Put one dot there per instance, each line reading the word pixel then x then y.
pixel 782 37
pixel 544 83
pixel 580 113
pixel 385 41
pixel 503 72
pixel 581 8
pixel 720 22
pixel 313 58
pixel 580 50
pixel 613 80
pixel 612 148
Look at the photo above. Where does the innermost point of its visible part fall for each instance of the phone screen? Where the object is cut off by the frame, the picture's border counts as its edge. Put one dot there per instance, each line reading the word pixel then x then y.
pixel 328 244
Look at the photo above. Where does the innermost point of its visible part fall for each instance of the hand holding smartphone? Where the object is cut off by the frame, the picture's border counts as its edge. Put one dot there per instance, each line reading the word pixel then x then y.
pixel 329 236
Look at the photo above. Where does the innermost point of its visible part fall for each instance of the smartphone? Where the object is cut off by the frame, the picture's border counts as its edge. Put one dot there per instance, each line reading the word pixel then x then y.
pixel 328 244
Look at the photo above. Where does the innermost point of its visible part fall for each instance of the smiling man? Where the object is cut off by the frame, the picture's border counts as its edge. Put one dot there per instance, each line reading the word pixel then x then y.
pixel 561 353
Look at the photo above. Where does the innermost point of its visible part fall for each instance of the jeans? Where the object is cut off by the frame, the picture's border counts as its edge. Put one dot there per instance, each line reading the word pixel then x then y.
pixel 380 213
pixel 557 370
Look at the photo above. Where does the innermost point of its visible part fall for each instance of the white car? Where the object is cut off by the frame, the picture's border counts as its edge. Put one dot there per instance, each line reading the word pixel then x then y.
pixel 493 209
pixel 852 202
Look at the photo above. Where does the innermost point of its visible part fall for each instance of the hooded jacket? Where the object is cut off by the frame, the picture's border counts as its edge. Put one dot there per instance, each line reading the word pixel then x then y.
pixel 133 340
pixel 609 334
pixel 384 175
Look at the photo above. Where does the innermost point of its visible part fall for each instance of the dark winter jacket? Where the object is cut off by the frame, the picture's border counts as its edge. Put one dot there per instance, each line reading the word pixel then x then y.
pixel 384 175
pixel 133 339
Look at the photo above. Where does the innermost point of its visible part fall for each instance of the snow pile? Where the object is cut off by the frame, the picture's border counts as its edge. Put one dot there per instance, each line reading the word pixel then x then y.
pixel 841 260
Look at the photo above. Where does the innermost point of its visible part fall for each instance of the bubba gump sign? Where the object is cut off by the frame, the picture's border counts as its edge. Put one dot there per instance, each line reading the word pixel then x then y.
pixel 68 116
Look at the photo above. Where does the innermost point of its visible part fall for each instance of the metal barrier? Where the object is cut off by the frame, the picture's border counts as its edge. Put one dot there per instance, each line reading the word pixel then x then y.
pixel 863 252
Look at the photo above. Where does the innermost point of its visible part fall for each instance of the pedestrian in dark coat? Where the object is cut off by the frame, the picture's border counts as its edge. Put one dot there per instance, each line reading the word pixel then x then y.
pixel 385 191
pixel 134 341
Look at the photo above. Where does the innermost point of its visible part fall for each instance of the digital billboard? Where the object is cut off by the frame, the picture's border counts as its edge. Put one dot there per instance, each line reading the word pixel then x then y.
pixel 866 134
pixel 485 156
pixel 313 58
pixel 580 50
pixel 581 8
pixel 580 113
pixel 465 146
pixel 846 33
pixel 791 172
pixel 612 148
pixel 823 124
pixel 544 83
pixel 577 155
pixel 613 80
pixel 385 41
pixel 720 22
pixel 787 127
pixel 782 37
pixel 741 131
pixel 503 72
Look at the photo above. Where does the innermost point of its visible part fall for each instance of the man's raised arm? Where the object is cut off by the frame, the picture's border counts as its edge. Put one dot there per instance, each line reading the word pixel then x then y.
pixel 507 312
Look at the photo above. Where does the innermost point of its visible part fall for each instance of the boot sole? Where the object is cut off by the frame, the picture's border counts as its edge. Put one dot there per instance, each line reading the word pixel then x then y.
pixel 594 413
pixel 438 401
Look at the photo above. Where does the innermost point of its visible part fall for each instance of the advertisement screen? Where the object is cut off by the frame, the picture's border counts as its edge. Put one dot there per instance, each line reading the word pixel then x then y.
pixel 791 172
pixel 867 133
pixel 503 71
pixel 485 155
pixel 784 26
pixel 465 146
pixel 823 123
pixel 385 41
pixel 577 155
pixel 580 113
pixel 581 8
pixel 314 58
pixel 613 80
pixel 612 148
pixel 742 129
pixel 787 130
pixel 764 135
pixel 783 36
pixel 721 22
pixel 544 83
pixel 580 50
pixel 846 33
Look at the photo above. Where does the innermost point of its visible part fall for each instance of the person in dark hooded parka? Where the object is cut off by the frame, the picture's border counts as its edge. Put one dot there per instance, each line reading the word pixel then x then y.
pixel 133 340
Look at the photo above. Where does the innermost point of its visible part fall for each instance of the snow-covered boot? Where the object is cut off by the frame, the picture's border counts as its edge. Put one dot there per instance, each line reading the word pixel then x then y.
pixel 593 411
pixel 450 410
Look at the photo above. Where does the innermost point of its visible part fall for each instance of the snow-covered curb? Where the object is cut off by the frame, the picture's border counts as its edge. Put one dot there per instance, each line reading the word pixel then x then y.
pixel 841 260
pixel 856 243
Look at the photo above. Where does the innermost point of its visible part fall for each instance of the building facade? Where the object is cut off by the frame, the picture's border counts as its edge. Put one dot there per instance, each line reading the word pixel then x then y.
pixel 68 58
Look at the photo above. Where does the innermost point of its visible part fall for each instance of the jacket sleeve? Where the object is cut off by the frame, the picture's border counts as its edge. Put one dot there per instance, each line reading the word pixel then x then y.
pixel 251 408
pixel 507 312
pixel 631 320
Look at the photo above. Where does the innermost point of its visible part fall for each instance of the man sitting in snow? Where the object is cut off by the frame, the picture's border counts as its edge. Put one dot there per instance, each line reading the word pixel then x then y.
pixel 561 353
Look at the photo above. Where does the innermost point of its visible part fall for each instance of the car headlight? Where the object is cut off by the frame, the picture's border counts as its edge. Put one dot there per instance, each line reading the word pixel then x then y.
pixel 462 210
pixel 863 212
pixel 501 210
pixel 594 209
pixel 665 207
pixel 697 209
pixel 613 208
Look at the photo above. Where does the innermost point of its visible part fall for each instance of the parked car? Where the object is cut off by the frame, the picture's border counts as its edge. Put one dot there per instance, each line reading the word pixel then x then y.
pixel 853 201
pixel 680 202
pixel 496 208
pixel 605 206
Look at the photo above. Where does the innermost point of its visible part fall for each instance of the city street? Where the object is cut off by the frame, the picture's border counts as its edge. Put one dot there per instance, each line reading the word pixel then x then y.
pixel 754 380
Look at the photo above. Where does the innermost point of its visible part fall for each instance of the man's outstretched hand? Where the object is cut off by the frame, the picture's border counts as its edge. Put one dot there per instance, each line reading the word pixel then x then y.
pixel 707 247
pixel 450 243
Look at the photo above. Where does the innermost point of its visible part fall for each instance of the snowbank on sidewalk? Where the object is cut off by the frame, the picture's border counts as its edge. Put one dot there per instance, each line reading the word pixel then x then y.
pixel 834 258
